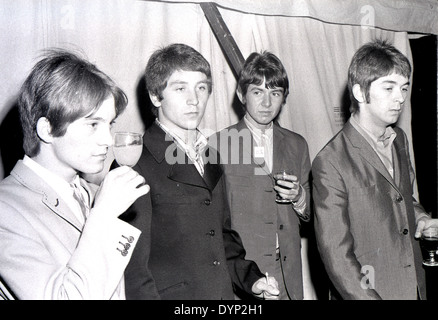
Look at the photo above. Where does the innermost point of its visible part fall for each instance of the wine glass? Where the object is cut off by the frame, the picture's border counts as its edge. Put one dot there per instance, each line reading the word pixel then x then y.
pixel 429 241
pixel 127 148
pixel 281 175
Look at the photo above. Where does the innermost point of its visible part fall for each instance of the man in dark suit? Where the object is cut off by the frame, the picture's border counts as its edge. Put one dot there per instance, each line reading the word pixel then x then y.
pixel 188 249
pixel 366 219
pixel 252 151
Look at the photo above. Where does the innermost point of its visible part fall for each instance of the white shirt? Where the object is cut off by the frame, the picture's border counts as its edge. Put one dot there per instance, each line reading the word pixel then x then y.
pixel 264 139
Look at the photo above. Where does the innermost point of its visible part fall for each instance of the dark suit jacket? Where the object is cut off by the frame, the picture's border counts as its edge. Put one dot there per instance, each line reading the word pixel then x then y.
pixel 365 219
pixel 254 212
pixel 187 249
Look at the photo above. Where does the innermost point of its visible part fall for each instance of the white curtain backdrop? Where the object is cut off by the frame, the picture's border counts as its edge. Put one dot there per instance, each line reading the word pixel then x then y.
pixel 314 39
pixel 120 35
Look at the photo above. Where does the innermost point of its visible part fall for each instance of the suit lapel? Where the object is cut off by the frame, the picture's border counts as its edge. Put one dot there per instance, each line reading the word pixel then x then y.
pixel 162 147
pixel 212 171
pixel 367 152
pixel 401 165
pixel 49 196
pixel 279 148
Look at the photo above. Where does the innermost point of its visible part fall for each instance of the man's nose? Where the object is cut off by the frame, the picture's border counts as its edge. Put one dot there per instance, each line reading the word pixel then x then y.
pixel 400 96
pixel 192 98
pixel 266 102
pixel 106 137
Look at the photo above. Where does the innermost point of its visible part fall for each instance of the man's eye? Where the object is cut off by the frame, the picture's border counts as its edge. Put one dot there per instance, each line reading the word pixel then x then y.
pixel 180 89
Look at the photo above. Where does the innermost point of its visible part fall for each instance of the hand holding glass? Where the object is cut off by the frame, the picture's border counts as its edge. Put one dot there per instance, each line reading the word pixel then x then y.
pixel 127 148
pixel 282 175
pixel 429 241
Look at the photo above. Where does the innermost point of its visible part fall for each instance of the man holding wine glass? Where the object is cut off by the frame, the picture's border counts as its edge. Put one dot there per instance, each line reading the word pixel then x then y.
pixel 367 222
pixel 61 236
pixel 188 249
pixel 267 184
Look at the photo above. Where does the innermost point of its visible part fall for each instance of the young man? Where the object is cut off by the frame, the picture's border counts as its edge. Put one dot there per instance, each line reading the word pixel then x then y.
pixel 366 218
pixel 252 151
pixel 189 251
pixel 57 244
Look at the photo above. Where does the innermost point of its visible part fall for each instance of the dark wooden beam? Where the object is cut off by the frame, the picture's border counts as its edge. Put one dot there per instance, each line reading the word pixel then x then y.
pixel 226 41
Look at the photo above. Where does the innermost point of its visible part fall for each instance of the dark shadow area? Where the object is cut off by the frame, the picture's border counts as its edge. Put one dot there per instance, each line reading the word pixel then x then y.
pixel 424 119
pixel 144 103
pixel 238 107
pixel 345 104
pixel 424 134
pixel 11 140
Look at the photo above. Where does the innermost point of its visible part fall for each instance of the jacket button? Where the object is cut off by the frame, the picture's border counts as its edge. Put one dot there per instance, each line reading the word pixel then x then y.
pixel 399 198
pixel 130 238
pixel 211 233
pixel 207 202
pixel 405 231
pixel 216 263
pixel 281 227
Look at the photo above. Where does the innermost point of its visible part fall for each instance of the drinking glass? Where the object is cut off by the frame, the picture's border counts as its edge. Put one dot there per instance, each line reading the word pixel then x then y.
pixel 127 148
pixel 429 241
pixel 281 175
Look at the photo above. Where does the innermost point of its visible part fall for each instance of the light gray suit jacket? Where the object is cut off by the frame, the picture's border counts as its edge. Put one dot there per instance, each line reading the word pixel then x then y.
pixel 45 252
pixel 365 220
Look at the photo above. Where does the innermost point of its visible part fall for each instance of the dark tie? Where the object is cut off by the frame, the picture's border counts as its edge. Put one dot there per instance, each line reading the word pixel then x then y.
pixel 79 197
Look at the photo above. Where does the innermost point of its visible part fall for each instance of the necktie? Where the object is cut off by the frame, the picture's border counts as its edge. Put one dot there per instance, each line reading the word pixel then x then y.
pixel 79 197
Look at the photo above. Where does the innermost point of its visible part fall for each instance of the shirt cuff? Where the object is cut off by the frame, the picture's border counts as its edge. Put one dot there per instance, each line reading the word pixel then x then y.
pixel 300 205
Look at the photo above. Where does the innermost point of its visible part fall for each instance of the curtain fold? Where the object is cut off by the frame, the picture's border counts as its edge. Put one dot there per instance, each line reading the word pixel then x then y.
pixel 120 35
pixel 314 40
pixel 418 16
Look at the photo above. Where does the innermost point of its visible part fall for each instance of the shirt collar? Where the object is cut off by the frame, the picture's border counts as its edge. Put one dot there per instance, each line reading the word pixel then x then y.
pixel 197 147
pixel 57 183
pixel 258 132
pixel 386 139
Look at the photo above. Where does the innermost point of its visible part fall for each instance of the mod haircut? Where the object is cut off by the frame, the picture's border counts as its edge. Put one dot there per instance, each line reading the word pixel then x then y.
pixel 63 87
pixel 372 61
pixel 260 67
pixel 164 62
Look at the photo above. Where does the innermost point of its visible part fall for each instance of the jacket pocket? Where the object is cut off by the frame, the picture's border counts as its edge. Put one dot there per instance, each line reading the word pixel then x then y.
pixel 172 288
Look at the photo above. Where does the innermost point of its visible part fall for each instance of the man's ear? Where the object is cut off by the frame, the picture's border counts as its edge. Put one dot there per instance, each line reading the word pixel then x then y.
pixel 44 130
pixel 155 100
pixel 358 94
pixel 240 95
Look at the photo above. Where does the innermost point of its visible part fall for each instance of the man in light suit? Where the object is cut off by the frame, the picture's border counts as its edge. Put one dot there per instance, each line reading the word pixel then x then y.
pixel 366 219
pixel 60 236
pixel 252 151
pixel 189 250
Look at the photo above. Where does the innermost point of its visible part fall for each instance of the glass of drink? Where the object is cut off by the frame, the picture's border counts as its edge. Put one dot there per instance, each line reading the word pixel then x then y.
pixel 429 241
pixel 281 175
pixel 127 148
